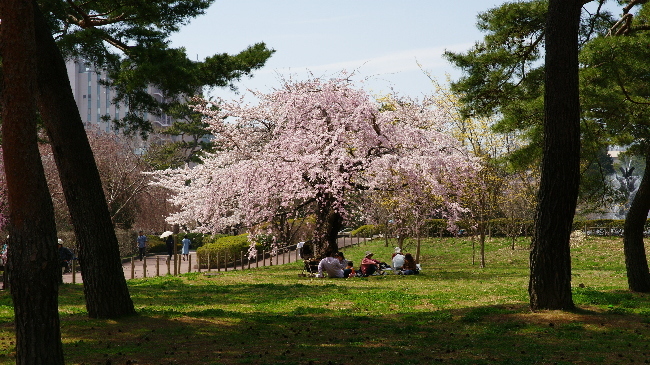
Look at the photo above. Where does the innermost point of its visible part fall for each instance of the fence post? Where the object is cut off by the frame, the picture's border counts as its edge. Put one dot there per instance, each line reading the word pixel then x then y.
pixel 169 261
pixel 242 260
pixel 218 263
pixel 209 268
pixel 189 263
pixel 257 259
pixel 157 266
pixel 144 267
pixel 132 268
pixel 74 274
pixel 198 262
pixel 225 260
pixel 264 257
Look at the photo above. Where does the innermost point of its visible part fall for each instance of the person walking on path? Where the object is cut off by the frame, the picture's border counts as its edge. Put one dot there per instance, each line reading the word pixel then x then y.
pixel 142 244
pixel 169 241
pixel 185 251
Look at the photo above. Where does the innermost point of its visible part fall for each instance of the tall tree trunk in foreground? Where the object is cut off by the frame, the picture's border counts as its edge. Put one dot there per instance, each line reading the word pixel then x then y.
pixel 550 257
pixel 107 295
pixel 32 255
pixel 636 262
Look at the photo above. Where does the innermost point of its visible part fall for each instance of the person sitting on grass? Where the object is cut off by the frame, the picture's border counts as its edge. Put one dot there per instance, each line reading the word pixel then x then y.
pixel 398 259
pixel 333 265
pixel 349 270
pixel 409 267
pixel 369 265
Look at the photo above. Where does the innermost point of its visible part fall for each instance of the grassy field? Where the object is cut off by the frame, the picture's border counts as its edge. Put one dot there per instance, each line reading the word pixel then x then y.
pixel 454 312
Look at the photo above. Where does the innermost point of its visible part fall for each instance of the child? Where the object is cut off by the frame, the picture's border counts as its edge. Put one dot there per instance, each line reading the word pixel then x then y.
pixel 349 270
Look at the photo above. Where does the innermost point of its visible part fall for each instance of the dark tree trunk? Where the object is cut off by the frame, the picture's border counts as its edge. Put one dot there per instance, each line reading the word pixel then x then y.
pixel 482 229
pixel 636 263
pixel 328 224
pixel 107 295
pixel 550 257
pixel 32 254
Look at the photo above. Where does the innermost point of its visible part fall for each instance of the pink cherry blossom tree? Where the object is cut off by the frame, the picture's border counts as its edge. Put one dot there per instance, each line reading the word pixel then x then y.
pixel 313 145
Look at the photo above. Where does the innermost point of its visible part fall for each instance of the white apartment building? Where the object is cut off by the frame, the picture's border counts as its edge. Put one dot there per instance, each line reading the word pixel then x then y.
pixel 94 100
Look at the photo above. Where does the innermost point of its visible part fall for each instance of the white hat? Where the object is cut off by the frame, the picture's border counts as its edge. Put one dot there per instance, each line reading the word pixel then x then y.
pixel 398 250
pixel 60 241
pixel 368 253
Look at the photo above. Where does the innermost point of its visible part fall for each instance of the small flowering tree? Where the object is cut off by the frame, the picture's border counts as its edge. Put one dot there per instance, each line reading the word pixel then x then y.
pixel 311 145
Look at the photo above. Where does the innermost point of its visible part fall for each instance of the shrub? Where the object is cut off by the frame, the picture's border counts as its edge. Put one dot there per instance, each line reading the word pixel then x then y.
pixel 198 239
pixel 367 230
pixel 155 244
pixel 232 246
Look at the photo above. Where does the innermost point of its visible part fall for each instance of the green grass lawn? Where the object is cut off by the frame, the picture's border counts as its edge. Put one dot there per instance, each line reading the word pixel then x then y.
pixel 454 312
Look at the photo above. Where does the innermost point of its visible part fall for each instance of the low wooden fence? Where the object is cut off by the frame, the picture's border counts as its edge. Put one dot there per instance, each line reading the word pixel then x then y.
pixel 159 265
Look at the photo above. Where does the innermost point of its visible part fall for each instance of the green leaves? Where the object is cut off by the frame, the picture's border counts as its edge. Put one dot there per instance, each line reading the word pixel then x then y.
pixel 504 66
pixel 129 40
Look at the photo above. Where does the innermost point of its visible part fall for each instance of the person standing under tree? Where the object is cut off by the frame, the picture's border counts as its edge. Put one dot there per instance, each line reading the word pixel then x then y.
pixel 142 244
pixel 65 257
pixel 185 251
pixel 169 242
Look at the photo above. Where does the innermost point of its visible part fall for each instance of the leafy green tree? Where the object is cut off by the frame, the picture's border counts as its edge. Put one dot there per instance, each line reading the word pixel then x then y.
pixel 190 140
pixel 129 41
pixel 506 77
pixel 615 78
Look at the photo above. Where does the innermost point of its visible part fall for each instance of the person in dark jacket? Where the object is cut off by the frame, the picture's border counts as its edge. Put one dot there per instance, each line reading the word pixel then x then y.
pixel 169 241
pixel 65 257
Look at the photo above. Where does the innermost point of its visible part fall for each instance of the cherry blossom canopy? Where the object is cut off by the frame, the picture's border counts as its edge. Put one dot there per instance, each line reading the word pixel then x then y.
pixel 315 142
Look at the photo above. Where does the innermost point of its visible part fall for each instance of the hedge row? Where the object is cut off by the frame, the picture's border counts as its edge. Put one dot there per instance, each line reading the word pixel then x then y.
pixel 232 246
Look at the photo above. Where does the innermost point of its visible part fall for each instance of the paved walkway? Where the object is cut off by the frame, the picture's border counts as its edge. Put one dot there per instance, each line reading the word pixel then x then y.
pixel 157 265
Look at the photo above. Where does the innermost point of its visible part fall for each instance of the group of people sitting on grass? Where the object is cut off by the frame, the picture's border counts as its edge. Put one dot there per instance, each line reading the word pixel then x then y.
pixel 336 266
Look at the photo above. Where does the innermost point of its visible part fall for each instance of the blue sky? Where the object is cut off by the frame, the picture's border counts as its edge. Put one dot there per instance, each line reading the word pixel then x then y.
pixel 382 41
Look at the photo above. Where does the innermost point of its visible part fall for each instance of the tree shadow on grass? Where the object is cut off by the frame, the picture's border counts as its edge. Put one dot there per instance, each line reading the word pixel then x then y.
pixel 323 322
pixel 477 335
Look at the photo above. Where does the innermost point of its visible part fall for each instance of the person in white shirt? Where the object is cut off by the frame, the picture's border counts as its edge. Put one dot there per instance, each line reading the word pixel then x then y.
pixel 333 265
pixel 398 259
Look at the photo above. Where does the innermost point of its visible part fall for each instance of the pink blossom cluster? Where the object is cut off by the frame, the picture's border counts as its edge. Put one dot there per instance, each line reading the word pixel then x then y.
pixel 315 141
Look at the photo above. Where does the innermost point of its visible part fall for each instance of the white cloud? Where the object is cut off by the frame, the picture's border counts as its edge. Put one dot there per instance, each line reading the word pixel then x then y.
pixel 402 61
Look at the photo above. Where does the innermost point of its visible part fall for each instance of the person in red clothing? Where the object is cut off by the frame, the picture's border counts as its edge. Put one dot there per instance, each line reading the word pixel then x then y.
pixel 369 265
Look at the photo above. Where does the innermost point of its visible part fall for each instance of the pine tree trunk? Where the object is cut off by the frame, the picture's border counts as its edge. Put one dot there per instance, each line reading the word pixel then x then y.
pixel 550 258
pixel 105 288
pixel 32 255
pixel 636 262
